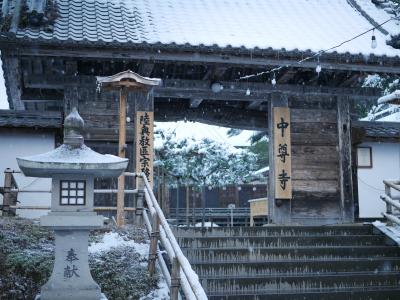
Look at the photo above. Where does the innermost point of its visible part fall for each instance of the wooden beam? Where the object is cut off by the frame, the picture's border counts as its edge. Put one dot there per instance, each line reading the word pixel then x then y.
pixel 196 57
pixel 199 89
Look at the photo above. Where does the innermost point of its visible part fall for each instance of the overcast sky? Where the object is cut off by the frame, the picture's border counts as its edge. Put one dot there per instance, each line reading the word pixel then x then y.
pixel 3 96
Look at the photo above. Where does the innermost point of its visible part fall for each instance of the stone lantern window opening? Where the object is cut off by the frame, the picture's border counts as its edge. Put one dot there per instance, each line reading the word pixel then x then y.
pixel 73 192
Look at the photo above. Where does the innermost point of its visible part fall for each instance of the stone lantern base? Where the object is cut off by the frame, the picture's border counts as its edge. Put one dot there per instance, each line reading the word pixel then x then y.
pixel 71 278
pixel 38 297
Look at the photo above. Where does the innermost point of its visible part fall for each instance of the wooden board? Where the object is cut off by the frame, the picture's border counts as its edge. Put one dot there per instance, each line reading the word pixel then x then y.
pixel 144 143
pixel 282 153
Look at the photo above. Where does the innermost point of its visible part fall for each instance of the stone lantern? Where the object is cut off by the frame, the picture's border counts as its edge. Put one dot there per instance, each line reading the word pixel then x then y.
pixel 72 167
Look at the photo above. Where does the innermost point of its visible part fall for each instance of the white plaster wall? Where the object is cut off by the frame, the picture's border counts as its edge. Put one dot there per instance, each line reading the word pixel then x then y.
pixel 386 165
pixel 18 142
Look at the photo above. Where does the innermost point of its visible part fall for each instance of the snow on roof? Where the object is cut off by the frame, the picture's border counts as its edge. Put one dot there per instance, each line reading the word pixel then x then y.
pixel 393 97
pixel 200 131
pixel 379 16
pixel 290 25
pixel 68 160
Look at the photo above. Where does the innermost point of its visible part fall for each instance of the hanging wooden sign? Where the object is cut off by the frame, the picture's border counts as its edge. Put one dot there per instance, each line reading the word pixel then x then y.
pixel 144 143
pixel 282 153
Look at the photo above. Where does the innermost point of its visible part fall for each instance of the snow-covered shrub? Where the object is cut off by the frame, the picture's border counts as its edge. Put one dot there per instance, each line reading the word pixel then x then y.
pixel 202 161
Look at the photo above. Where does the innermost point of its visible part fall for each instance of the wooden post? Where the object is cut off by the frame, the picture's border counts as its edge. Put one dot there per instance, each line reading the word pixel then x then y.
pixel 175 279
pixel 279 210
pixel 154 236
pixel 121 153
pixel 345 175
pixel 7 193
pixel 124 82
pixel 389 208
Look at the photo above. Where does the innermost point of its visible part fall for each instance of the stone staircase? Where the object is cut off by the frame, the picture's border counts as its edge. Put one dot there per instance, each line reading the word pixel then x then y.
pixel 293 262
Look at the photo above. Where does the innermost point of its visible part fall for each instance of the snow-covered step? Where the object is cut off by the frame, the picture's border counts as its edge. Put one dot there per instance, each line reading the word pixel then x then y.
pixel 234 255
pixel 320 283
pixel 284 241
pixel 274 231
pixel 268 268
pixel 365 293
pixel 293 262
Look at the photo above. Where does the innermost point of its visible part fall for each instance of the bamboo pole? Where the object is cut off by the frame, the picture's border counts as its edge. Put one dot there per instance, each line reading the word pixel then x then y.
pixel 153 244
pixel 121 153
pixel 175 279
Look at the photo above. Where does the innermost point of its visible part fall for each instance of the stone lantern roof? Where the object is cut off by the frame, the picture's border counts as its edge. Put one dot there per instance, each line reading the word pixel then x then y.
pixel 73 156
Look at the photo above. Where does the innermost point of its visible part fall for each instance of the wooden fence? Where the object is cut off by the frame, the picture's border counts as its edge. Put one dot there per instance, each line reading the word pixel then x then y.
pixel 182 274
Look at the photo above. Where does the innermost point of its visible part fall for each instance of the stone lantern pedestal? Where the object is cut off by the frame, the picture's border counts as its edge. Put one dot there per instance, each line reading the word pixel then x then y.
pixel 72 167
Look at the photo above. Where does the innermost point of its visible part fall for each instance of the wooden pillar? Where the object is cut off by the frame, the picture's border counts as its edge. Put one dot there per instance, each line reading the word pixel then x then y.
pixel 121 153
pixel 345 175
pixel 7 195
pixel 279 209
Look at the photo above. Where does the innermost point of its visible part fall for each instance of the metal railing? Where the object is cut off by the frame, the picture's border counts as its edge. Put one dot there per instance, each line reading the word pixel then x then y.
pixel 181 275
pixel 392 213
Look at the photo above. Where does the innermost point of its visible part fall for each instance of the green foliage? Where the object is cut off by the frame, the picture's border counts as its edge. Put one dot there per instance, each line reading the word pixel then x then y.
pixel 26 258
pixel 121 274
pixel 203 162
pixel 26 262
pixel 261 149
pixel 386 83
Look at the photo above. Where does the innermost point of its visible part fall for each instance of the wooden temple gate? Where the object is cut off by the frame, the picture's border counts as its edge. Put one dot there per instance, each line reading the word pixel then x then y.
pixel 321 178
pixel 318 108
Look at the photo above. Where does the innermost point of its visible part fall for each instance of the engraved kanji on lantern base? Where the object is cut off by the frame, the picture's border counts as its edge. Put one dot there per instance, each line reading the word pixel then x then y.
pixel 72 167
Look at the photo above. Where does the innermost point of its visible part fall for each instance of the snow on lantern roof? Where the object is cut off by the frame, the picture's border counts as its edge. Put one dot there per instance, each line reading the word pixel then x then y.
pixel 73 157
pixel 265 24
pixel 393 98
pixel 128 79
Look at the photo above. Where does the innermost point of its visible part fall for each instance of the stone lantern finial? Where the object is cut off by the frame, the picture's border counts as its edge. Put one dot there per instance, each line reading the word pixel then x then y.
pixel 73 129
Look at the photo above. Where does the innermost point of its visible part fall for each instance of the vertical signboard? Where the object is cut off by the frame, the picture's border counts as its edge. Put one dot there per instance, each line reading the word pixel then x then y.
pixel 282 153
pixel 144 144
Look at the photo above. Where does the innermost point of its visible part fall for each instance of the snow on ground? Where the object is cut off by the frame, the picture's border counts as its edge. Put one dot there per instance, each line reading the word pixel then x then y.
pixel 393 231
pixel 161 293
pixel 199 131
pixel 206 224
pixel 114 240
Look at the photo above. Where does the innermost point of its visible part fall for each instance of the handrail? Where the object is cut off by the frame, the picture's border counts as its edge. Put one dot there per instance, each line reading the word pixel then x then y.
pixel 188 279
pixel 391 204
pixel 393 184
